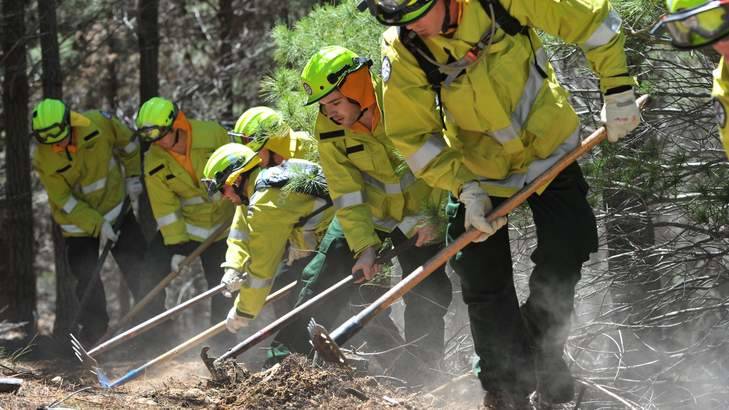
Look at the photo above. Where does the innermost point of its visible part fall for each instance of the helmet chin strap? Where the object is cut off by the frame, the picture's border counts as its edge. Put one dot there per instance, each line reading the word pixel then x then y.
pixel 177 136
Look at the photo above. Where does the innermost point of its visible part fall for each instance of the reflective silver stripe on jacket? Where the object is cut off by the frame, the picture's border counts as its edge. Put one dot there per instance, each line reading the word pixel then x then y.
pixel 99 183
pixel 256 283
pixel 200 232
pixel 167 219
pixel 238 234
pixel 94 186
pixel 131 147
pixel 426 153
pixel 349 199
pixel 392 188
pixel 69 205
pixel 407 224
pixel 315 220
pixel 387 225
pixel 72 229
pixel 196 200
pixel 605 32
pixel 111 215
pixel 523 107
pixel 536 168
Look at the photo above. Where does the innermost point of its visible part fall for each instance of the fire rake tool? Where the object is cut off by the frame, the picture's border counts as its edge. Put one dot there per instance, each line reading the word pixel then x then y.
pixel 164 282
pixel 106 383
pixel 327 344
pixel 154 321
pixel 213 363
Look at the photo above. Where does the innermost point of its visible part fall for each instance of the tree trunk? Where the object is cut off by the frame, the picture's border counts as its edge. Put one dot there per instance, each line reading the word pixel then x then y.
pixel 148 34
pixel 19 223
pixel 52 79
pixel 148 49
pixel 225 17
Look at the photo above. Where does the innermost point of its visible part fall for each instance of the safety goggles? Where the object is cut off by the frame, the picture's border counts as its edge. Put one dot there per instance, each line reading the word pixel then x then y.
pixel 153 133
pixel 50 134
pixel 394 12
pixel 215 185
pixel 697 27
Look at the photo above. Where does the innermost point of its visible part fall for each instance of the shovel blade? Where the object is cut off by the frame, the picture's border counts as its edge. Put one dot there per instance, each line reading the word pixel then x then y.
pixel 324 345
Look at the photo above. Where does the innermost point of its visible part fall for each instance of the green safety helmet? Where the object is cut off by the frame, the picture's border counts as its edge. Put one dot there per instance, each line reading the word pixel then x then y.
pixel 51 121
pixel 256 126
pixel 226 164
pixel 327 69
pixel 397 12
pixel 695 23
pixel 155 118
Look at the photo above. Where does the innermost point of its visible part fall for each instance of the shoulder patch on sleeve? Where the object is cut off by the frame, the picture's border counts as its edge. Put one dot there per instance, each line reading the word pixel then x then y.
pixel 720 113
pixel 106 114
pixel 386 69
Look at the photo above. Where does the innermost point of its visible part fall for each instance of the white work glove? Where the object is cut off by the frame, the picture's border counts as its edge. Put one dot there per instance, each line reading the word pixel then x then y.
pixel 235 322
pixel 175 263
pixel 620 114
pixel 232 279
pixel 366 263
pixel 478 204
pixel 134 190
pixel 107 234
pixel 296 254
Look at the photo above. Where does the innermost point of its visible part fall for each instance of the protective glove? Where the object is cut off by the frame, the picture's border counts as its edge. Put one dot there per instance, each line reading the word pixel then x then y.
pixel 235 322
pixel 366 263
pixel 478 204
pixel 134 190
pixel 296 254
pixel 175 263
pixel 107 234
pixel 232 279
pixel 620 114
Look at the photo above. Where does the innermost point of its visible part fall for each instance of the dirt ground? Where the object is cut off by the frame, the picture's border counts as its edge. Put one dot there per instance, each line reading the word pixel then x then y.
pixel 293 384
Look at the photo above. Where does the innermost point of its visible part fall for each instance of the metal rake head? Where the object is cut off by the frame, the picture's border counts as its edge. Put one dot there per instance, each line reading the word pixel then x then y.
pixel 89 362
pixel 323 343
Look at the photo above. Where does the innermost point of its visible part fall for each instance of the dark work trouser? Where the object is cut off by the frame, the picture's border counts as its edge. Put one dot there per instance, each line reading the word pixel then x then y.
pixel 285 275
pixel 128 252
pixel 161 256
pixel 566 234
pixel 425 307
pixel 427 304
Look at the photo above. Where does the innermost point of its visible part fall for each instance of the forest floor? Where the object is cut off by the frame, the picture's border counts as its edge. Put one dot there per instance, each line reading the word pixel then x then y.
pixel 293 384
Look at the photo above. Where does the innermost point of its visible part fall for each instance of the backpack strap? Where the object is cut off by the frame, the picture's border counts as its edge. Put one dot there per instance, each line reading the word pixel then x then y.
pixel 506 21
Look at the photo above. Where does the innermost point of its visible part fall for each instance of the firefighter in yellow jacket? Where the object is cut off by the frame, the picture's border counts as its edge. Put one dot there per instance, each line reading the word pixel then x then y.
pixel 479 68
pixel 374 192
pixel 274 216
pixel 699 23
pixel 88 163
pixel 263 130
pixel 185 215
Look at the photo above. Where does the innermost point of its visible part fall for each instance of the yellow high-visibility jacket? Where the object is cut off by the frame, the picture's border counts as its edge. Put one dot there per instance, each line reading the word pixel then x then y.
pixel 273 214
pixel 87 186
pixel 237 253
pixel 720 92
pixel 180 203
pixel 370 183
pixel 512 122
